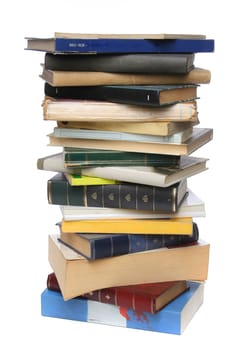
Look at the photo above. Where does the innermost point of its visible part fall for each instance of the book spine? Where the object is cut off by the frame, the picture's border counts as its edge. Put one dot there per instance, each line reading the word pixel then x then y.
pixel 125 196
pixel 101 158
pixel 122 63
pixel 133 45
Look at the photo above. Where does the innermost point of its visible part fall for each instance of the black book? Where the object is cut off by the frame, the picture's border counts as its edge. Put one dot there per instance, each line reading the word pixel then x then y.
pixel 122 63
pixel 148 95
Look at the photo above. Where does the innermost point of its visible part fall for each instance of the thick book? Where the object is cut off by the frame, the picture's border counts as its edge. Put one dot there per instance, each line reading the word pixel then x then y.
pixel 167 226
pixel 149 128
pixel 144 95
pixel 199 137
pixel 191 206
pixel 122 63
pixel 81 157
pixel 178 137
pixel 119 195
pixel 105 44
pixel 75 78
pixel 150 297
pixel 158 265
pixel 146 175
pixel 104 111
pixel 99 246
pixel 174 318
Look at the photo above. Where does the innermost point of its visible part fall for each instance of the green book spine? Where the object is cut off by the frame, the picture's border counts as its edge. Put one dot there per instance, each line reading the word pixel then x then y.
pixel 124 195
pixel 74 157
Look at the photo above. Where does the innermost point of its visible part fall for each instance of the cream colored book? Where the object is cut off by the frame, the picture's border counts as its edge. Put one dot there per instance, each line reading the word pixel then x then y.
pixel 77 275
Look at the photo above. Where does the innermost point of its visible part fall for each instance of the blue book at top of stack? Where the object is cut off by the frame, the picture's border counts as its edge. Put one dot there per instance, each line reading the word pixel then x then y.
pixel 121 43
pixel 173 318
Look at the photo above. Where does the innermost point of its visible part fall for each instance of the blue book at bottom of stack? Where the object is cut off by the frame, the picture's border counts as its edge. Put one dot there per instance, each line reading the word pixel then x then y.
pixel 172 319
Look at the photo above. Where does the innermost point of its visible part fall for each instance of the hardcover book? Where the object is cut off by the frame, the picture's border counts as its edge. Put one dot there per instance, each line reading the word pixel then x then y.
pixel 153 128
pixel 119 195
pixel 172 319
pixel 158 265
pixel 99 246
pixel 146 175
pixel 168 226
pixel 83 157
pixel 82 180
pixel 102 111
pixel 122 63
pixel 191 206
pixel 200 136
pixel 150 297
pixel 145 95
pixel 99 44
pixel 178 137
pixel 76 78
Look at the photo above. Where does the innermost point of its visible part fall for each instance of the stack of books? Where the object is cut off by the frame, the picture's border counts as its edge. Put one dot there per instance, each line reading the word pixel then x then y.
pixel 128 250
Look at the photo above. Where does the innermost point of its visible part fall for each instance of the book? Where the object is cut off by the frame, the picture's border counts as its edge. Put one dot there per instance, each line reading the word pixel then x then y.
pixel 168 226
pixel 150 297
pixel 174 318
pixel 76 275
pixel 144 95
pixel 102 111
pixel 118 195
pixel 103 44
pixel 82 180
pixel 99 246
pixel 178 137
pixel 146 175
pixel 75 78
pixel 122 63
pixel 153 128
pixel 191 206
pixel 83 157
pixel 200 136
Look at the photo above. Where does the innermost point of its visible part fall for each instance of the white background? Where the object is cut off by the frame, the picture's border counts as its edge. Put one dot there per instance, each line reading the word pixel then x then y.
pixel 26 217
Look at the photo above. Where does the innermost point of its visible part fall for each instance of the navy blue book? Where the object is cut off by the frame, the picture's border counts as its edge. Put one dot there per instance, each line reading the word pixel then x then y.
pixel 111 44
pixel 97 246
pixel 172 319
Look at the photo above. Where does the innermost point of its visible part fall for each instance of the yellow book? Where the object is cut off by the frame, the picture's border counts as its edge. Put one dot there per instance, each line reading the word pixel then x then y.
pixel 179 226
pixel 77 180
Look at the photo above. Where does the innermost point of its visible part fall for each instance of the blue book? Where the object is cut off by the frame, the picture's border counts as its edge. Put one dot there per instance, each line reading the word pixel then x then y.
pixel 172 319
pixel 106 44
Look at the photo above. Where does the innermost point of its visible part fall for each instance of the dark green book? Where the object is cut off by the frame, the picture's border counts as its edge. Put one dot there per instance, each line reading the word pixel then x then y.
pixel 79 157
pixel 122 195
pixel 122 63
pixel 148 95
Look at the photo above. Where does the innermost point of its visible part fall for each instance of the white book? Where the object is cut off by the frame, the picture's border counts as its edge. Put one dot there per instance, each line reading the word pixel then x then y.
pixel 178 137
pixel 146 175
pixel 192 206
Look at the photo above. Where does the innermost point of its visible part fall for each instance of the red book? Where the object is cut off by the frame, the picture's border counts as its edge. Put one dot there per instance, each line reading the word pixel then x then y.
pixel 141 298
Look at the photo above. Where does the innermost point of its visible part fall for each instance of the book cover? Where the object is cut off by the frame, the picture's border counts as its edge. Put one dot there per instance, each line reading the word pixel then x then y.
pixel 159 265
pixel 145 95
pixel 99 246
pixel 168 226
pixel 119 195
pixel 149 297
pixel 146 175
pixel 122 63
pixel 172 319
pixel 90 110
pixel 191 206
pixel 83 157
pixel 108 45
pixel 178 137
pixel 76 78
pixel 82 180
pixel 199 137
